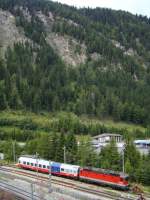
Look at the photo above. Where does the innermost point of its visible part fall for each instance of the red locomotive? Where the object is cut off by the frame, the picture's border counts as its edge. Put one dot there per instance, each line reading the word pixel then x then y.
pixel 104 177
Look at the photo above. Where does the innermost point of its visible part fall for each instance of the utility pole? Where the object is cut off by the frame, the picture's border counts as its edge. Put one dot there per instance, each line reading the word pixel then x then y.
pixel 123 160
pixel 37 163
pixel 32 192
pixel 13 149
pixel 64 154
pixel 50 177
pixel 13 145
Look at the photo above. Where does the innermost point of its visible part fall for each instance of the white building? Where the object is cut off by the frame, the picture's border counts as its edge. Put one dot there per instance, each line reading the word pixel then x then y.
pixel 143 146
pixel 100 141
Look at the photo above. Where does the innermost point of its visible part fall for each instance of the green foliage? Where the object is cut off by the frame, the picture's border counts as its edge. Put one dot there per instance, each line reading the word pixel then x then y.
pixel 23 126
pixel 60 148
pixel 9 148
pixel 43 146
pixel 33 77
pixel 128 167
pixel 110 158
pixel 71 148
pixel 85 154
pixel 143 175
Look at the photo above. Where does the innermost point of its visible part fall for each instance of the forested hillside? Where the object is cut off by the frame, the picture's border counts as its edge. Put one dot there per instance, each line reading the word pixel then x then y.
pixel 93 62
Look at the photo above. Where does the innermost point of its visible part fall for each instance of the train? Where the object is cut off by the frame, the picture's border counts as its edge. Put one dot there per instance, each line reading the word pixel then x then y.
pixel 117 180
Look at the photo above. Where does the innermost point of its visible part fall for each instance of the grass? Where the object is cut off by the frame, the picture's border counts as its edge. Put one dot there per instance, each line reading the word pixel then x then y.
pixel 120 125
pixel 40 119
pixel 43 121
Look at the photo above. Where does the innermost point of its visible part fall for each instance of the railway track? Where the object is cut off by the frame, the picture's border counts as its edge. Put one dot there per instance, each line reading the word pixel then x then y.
pixel 21 194
pixel 74 185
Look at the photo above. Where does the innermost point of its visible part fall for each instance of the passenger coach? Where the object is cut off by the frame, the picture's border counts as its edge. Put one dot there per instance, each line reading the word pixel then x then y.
pixel 44 166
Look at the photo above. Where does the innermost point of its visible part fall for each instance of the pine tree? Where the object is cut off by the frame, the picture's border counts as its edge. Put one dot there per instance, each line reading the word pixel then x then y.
pixel 3 102
pixel 71 148
pixel 60 148
pixel 86 155
pixel 128 167
pixel 53 146
pixel 43 146
pixel 109 157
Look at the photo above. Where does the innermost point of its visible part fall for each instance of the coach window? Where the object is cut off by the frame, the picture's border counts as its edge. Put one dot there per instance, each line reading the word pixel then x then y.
pixel 28 163
pixel 40 165
pixel 24 162
pixel 62 169
pixel 47 167
pixel 35 164
pixel 44 166
pixel 31 164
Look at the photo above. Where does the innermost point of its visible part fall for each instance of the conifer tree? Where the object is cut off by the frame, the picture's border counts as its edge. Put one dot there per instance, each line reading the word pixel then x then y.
pixel 71 148
pixel 60 148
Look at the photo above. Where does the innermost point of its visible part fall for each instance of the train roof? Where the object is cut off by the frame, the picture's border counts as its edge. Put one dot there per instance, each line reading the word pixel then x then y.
pixel 33 158
pixel 69 166
pixel 107 171
pixel 64 165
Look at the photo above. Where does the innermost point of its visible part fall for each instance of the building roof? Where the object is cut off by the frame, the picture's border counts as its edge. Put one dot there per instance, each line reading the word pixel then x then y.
pixel 106 135
pixel 142 141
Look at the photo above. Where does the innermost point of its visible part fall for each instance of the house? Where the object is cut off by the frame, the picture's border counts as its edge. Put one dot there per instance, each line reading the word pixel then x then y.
pixel 100 141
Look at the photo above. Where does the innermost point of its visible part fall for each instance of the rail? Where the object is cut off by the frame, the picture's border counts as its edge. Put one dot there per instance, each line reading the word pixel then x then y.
pixel 20 193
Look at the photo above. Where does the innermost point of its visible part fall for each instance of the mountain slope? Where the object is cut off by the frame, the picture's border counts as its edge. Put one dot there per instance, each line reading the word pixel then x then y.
pixel 87 61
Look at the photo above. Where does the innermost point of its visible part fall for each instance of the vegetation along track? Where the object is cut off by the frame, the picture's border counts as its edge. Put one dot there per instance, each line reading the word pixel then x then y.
pixel 71 185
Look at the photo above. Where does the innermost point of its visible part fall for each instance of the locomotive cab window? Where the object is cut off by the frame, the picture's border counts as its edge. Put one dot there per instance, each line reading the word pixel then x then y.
pixel 62 169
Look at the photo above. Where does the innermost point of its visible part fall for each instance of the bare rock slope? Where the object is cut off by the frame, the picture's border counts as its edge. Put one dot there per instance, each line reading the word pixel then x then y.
pixel 9 33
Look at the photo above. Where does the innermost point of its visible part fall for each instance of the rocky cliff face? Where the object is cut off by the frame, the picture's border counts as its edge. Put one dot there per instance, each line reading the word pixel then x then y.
pixel 9 33
pixel 65 46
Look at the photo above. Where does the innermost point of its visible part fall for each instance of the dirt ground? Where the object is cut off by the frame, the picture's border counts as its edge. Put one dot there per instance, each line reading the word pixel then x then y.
pixel 6 196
